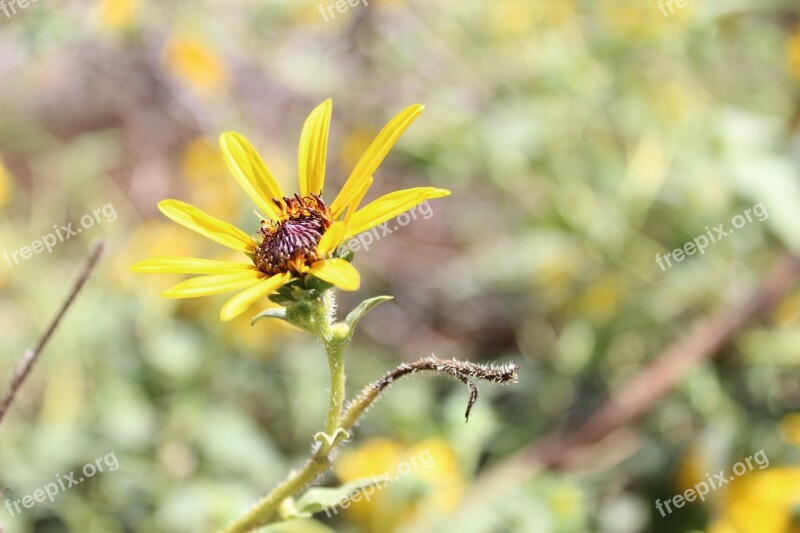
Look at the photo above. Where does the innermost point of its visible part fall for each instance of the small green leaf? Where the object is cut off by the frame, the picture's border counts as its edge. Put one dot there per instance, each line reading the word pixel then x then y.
pixel 363 308
pixel 321 498
pixel 334 439
pixel 277 312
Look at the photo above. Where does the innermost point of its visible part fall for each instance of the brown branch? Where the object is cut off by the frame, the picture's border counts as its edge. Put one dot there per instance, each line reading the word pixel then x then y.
pixel 25 366
pixel 464 371
pixel 641 393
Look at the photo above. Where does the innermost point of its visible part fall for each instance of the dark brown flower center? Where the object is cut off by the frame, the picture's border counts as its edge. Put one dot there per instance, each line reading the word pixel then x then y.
pixel 290 244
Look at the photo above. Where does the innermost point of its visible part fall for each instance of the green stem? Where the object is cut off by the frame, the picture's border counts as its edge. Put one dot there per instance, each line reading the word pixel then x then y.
pixel 319 321
pixel 336 401
pixel 265 510
pixel 335 338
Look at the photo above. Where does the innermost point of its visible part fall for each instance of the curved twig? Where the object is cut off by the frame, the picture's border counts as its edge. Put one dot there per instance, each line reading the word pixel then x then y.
pixel 24 367
pixel 464 371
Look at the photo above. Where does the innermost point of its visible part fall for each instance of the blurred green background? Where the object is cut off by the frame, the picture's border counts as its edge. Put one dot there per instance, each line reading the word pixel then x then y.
pixel 579 138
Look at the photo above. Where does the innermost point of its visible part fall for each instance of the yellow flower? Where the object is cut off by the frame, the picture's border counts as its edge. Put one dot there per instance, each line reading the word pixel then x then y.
pixel 431 465
pixel 790 429
pixel 118 14
pixel 193 62
pixel 788 312
pixel 202 167
pixel 6 185
pixel 298 235
pixel 793 54
pixel 762 501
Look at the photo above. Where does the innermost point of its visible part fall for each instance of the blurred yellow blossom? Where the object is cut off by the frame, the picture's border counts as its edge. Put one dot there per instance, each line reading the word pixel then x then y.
pixel 195 63
pixel 201 160
pixel 793 54
pixel 204 170
pixel 152 237
pixel 790 429
pixel 354 145
pixel 556 275
pixel 600 300
pixel 566 501
pixel 512 16
pixel 431 462
pixel 241 333
pixel 691 469
pixel 761 502
pixel 118 14
pixel 519 16
pixel 788 312
pixel 675 102
pixel 635 20
pixel 6 185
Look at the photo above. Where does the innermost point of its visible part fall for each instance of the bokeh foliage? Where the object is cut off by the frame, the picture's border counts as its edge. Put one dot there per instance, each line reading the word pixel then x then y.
pixel 580 138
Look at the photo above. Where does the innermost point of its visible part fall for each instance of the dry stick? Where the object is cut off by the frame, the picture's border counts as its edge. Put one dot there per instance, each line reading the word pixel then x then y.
pixel 464 371
pixel 642 392
pixel 25 366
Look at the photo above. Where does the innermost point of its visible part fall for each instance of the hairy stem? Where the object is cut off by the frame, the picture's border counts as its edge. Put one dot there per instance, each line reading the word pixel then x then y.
pixel 266 510
pixel 336 399
pixel 464 371
pixel 334 337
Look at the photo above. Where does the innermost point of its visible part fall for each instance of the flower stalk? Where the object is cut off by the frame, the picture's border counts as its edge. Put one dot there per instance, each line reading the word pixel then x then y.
pixel 317 317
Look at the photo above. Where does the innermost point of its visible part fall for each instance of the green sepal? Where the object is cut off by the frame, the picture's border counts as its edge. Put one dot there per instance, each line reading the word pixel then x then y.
pixel 316 285
pixel 363 308
pixel 276 312
pixel 299 290
pixel 280 300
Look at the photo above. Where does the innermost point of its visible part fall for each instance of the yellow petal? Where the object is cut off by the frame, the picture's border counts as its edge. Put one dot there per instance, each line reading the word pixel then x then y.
pixel 239 303
pixel 375 154
pixel 189 265
pixel 333 237
pixel 206 225
pixel 337 271
pixel 391 205
pixel 208 285
pixel 250 172
pixel 354 202
pixel 313 150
